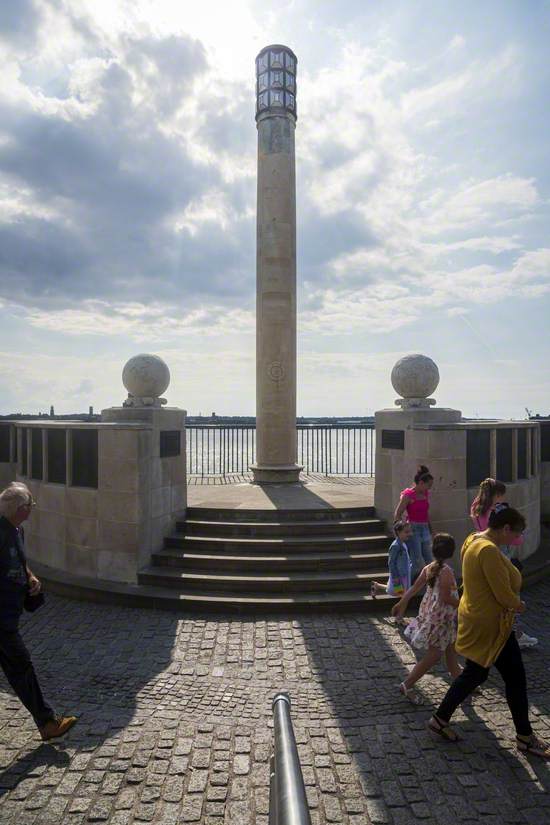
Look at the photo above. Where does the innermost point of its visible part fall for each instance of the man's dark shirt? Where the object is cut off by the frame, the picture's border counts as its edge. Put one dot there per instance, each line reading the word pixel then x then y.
pixel 13 576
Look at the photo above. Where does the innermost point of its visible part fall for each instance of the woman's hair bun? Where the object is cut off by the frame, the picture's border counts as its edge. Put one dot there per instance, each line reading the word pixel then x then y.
pixel 422 474
pixel 501 505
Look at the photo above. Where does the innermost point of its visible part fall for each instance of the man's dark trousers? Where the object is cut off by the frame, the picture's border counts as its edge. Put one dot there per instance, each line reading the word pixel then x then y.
pixel 16 664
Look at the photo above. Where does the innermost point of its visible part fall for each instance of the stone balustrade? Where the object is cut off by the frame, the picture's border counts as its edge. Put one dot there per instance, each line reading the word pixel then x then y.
pixel 106 492
pixel 460 454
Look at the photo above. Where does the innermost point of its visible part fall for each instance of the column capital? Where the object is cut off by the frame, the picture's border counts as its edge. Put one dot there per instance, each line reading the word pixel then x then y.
pixel 276 82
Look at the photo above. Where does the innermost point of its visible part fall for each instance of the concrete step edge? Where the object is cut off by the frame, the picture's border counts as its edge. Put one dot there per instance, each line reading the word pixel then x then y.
pixel 160 598
pixel 281 541
pixel 291 577
pixel 313 557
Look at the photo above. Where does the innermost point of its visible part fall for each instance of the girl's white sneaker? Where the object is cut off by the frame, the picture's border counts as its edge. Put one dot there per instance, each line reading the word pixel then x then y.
pixel 526 641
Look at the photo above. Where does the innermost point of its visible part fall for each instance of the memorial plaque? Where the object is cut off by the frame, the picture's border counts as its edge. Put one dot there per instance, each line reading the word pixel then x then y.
pixel 505 454
pixel 170 443
pixel 478 456
pixel 544 441
pixel 533 436
pixel 37 467
pixel 84 458
pixel 24 452
pixel 522 453
pixel 57 456
pixel 393 439
pixel 5 443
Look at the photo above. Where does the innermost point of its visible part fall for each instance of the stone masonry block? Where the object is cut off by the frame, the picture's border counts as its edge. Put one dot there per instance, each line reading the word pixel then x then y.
pixel 81 531
pixel 81 561
pixel 117 506
pixel 52 497
pixel 120 476
pixel 118 444
pixel 118 536
pixel 117 566
pixel 81 502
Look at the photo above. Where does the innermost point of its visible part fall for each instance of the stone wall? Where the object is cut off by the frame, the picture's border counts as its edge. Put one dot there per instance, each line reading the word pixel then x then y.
pixel 109 532
pixel 438 438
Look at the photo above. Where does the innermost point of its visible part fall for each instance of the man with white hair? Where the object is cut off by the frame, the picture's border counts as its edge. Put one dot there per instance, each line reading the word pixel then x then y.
pixel 16 581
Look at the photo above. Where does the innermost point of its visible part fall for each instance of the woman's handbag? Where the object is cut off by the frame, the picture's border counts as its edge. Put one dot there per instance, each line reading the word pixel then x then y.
pixel 32 603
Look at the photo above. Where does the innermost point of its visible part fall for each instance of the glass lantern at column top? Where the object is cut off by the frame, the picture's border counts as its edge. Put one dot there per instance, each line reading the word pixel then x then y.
pixel 276 80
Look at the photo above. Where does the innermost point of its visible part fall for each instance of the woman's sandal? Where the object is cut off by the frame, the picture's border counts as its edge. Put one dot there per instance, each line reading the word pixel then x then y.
pixel 442 729
pixel 411 694
pixel 534 746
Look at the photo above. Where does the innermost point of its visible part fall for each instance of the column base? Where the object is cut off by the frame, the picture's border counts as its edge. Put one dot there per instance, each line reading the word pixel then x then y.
pixel 276 474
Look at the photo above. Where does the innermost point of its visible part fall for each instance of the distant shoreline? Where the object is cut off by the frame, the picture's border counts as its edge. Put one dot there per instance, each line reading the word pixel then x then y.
pixel 199 420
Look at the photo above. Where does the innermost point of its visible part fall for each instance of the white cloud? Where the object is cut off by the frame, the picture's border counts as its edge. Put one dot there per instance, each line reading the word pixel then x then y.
pixel 461 88
pixel 477 203
pixel 458 42
pixel 139 322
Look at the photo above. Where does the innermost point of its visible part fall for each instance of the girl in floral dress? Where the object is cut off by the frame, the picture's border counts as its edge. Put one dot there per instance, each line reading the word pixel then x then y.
pixel 434 629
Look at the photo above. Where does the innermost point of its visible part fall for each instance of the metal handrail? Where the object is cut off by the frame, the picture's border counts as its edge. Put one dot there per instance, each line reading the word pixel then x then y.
pixel 287 794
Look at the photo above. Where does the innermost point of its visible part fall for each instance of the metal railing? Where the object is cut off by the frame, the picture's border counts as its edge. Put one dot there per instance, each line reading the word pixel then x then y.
pixel 287 793
pixel 329 449
pixel 337 449
pixel 219 450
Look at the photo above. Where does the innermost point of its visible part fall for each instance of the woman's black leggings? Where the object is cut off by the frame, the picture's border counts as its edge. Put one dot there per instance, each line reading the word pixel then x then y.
pixel 510 666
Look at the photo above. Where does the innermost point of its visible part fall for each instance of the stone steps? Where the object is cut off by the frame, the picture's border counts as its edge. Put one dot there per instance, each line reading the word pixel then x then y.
pixel 303 557
pixel 203 602
pixel 207 561
pixel 259 583
pixel 265 529
pixel 284 545
pixel 274 516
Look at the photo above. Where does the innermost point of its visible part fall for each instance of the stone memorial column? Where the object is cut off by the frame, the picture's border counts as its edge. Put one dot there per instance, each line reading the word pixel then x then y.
pixel 276 268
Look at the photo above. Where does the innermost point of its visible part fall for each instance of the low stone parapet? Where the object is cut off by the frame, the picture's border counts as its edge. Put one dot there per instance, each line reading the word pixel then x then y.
pixel 460 454
pixel 106 492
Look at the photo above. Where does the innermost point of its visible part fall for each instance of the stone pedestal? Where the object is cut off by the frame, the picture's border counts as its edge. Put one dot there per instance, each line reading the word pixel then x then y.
pixel 400 448
pixel 404 440
pixel 159 470
pixel 276 269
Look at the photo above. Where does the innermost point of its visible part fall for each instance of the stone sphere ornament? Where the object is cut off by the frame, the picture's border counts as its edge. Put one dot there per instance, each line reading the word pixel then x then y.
pixel 145 377
pixel 415 377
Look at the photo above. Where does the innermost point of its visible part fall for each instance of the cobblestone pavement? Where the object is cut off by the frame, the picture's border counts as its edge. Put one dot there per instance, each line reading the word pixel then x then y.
pixel 175 723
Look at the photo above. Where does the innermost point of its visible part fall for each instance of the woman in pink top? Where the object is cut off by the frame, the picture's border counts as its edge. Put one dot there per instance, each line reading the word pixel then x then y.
pixel 491 493
pixel 415 501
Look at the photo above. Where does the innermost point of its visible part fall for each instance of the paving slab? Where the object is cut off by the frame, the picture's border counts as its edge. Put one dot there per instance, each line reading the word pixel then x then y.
pixel 175 722
pixel 309 494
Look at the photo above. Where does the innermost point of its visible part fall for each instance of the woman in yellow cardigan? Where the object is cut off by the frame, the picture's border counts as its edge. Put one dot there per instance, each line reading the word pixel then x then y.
pixel 490 599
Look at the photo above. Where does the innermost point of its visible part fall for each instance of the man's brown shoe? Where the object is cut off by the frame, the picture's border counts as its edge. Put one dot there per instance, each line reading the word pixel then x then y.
pixel 56 727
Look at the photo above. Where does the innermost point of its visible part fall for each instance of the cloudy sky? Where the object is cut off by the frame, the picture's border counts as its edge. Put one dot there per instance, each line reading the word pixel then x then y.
pixel 127 199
